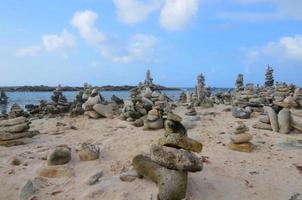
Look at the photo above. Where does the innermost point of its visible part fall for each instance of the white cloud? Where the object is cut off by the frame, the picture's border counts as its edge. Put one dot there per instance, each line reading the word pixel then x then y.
pixel 60 42
pixel 134 11
pixel 177 13
pixel 139 47
pixel 29 51
pixel 280 10
pixel 286 49
pixel 85 23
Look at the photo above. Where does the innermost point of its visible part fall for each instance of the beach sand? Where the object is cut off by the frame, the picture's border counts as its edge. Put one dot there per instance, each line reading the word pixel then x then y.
pixel 269 172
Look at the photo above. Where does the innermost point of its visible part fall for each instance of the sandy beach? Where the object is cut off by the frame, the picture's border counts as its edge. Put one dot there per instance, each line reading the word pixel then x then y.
pixel 269 172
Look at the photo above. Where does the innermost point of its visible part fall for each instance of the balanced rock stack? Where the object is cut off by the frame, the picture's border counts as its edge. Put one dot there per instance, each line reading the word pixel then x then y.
pixel 170 161
pixel 246 101
pixel 269 78
pixel 144 99
pixel 183 97
pixel 59 102
pixel 200 97
pixel 240 138
pixel 154 119
pixel 76 108
pixel 3 97
pixel 239 82
pixel 94 99
pixel 15 132
pixel 16 111
pixel 191 111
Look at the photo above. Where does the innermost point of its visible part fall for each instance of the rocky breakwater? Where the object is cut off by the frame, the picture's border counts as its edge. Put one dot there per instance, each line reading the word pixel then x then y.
pixel 240 138
pixel 170 161
pixel 15 132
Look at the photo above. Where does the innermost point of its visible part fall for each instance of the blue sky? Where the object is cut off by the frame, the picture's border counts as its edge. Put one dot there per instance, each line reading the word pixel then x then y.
pixel 114 42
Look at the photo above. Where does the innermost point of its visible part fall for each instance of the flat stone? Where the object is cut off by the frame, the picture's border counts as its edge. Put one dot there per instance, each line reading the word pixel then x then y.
pixel 174 117
pixel 260 125
pixel 12 136
pixel 12 122
pixel 92 114
pixel 57 171
pixel 272 117
pixel 18 128
pixel 179 141
pixel 177 159
pixel 128 176
pixel 241 138
pixel 172 184
pixel 15 142
pixel 245 147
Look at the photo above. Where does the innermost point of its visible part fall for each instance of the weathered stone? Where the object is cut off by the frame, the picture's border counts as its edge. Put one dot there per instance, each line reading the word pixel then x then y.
pixel 28 191
pixel 172 184
pixel 88 152
pixel 104 110
pixel 128 176
pixel 92 114
pixel 15 142
pixel 179 141
pixel 12 122
pixel 59 156
pixel 94 178
pixel 272 117
pixel 12 136
pixel 56 171
pixel 241 138
pixel 264 119
pixel 175 127
pixel 177 159
pixel 153 125
pixel 261 125
pixel 245 147
pixel 284 119
pixel 173 117
pixel 139 122
pixel 18 128
pixel 240 113
pixel 291 102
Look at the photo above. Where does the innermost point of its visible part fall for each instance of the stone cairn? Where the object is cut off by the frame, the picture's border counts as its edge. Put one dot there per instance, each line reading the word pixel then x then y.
pixel 183 97
pixel 15 131
pixel 3 97
pixel 170 160
pixel 286 113
pixel 201 95
pixel 239 82
pixel 17 111
pixel 146 106
pixel 240 138
pixel 269 78
pixel 59 102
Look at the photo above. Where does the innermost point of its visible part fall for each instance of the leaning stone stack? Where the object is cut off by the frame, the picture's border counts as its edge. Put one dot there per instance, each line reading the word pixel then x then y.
pixel 170 161
pixel 15 132
pixel 240 138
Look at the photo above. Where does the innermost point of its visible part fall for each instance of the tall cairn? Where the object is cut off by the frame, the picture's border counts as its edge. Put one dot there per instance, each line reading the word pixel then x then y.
pixel 200 88
pixel 269 78
pixel 170 160
pixel 149 80
pixel 239 82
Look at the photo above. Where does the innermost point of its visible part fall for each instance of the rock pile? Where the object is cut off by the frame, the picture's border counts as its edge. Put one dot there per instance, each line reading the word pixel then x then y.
pixel 240 138
pixel 3 97
pixel 15 132
pixel 146 106
pixel 201 95
pixel 17 111
pixel 170 161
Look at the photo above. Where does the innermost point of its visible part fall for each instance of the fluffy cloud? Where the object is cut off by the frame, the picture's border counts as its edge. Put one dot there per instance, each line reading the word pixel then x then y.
pixel 286 49
pixel 139 47
pixel 176 13
pixel 134 11
pixel 85 23
pixel 58 43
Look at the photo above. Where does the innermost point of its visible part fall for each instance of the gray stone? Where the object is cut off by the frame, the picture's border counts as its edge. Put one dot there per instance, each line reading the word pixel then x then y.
pixel 241 138
pixel 261 125
pixel 11 122
pixel 284 121
pixel 59 156
pixel 95 178
pixel 240 113
pixel 272 117
pixel 18 128
pixel 104 110
pixel 28 191
pixel 264 119
pixel 177 159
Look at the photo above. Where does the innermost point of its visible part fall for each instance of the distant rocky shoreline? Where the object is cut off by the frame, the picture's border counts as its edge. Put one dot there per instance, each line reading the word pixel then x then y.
pixel 43 88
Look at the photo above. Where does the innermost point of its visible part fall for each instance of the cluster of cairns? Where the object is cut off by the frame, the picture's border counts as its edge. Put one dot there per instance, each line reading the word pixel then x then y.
pixel 240 138
pixel 146 107
pixel 170 160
